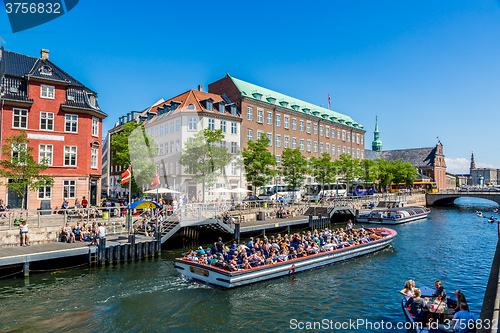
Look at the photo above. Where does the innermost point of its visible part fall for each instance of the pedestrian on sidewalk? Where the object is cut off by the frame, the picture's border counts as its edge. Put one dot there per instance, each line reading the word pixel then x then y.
pixel 25 238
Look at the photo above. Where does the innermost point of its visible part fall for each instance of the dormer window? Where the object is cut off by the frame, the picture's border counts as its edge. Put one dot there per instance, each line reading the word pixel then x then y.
pixel 334 119
pixel 92 100
pixel 222 108
pixel 233 110
pixel 296 107
pixel 257 95
pixel 208 104
pixel 306 110
pixel 45 70
pixel 271 100
pixel 316 113
pixel 174 105
pixel 324 115
pixel 284 104
pixel 191 106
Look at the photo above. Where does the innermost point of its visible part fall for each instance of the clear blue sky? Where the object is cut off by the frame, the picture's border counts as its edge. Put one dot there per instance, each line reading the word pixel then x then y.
pixel 427 68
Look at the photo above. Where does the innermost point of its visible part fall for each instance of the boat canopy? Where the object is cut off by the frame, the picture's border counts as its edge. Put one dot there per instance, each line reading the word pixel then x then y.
pixel 143 205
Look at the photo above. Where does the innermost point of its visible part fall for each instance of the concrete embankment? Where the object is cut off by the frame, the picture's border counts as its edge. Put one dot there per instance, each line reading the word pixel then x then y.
pixel 491 303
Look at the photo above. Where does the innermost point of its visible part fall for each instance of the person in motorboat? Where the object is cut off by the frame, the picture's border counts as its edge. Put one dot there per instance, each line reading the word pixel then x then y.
pixel 491 219
pixel 417 306
pixel 408 290
pixel 440 293
pixel 463 320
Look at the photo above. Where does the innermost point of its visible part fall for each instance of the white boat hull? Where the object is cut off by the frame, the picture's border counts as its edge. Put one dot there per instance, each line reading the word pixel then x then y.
pixel 225 279
pixel 389 220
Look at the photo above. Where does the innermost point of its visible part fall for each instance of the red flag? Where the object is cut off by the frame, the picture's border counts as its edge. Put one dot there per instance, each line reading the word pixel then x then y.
pixel 329 102
pixel 156 181
pixel 126 176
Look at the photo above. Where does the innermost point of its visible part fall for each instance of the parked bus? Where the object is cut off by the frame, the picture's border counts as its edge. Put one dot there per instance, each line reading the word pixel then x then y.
pixel 360 189
pixel 313 192
pixel 426 187
pixel 280 192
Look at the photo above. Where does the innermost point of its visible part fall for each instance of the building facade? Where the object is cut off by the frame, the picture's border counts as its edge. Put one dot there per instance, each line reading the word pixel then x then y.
pixel 63 122
pixel 291 123
pixel 483 176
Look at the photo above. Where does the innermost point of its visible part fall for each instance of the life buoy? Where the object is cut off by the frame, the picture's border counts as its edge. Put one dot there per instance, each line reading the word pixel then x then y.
pixel 292 269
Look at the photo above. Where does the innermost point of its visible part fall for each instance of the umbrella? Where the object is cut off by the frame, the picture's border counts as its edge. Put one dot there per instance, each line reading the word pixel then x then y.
pixel 161 191
pixel 143 205
pixel 220 190
pixel 239 190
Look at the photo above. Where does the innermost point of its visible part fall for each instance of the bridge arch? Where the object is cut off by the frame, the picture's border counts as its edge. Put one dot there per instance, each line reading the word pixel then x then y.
pixel 445 199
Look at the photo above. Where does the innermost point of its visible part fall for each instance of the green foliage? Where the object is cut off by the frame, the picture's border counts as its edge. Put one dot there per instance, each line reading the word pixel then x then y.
pixel 204 157
pixel 294 168
pixel 395 172
pixel 19 165
pixel 348 168
pixel 369 171
pixel 323 169
pixel 258 162
pixel 131 146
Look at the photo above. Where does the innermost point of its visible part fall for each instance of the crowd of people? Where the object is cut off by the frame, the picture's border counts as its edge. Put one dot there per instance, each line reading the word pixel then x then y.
pixel 83 232
pixel 460 317
pixel 272 250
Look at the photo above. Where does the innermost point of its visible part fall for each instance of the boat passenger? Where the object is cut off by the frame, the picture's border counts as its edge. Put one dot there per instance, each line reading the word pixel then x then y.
pixel 408 289
pixel 463 320
pixel 283 256
pixel 250 242
pixel 246 264
pixel 219 246
pixel 300 251
pixel 460 299
pixel 440 292
pixel 417 305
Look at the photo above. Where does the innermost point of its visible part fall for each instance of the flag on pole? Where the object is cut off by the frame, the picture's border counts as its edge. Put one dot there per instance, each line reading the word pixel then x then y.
pixel 329 102
pixel 156 180
pixel 126 176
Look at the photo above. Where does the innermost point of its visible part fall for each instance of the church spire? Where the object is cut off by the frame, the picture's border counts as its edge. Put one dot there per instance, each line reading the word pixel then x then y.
pixel 472 162
pixel 376 144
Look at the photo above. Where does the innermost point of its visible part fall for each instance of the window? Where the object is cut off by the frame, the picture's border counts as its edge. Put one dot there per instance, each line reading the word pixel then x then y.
pixel 327 131
pixel 301 144
pixel 308 145
pixel 343 150
pixel 320 130
pixel 161 149
pixel 249 113
pixel 20 118
pixel 278 140
pixel 294 143
pixel 315 131
pixel 47 91
pixel 287 141
pixel 233 169
pixel 308 127
pixel 338 150
pixel 178 125
pixel 287 121
pixel 357 139
pixel 249 135
pixel 357 153
pixel 71 123
pixel 333 150
pixel 233 147
pixel 171 146
pixel 223 144
pixel 70 155
pixel 191 125
pixel 270 137
pixel 362 143
pixel 69 189
pixel 45 154
pixel 259 134
pixel 260 115
pixel 166 128
pixel 362 154
pixel 327 148
pixel 294 124
pixel 95 127
pixel 343 135
pixel 278 161
pixel 321 147
pixel 338 134
pixel 211 124
pixel 348 138
pixel 44 192
pixel 353 136
pixel 93 158
pixel 278 120
pixel 18 153
pixel 177 145
pixel 47 121
pixel 161 129
pixel 233 128
pixel 348 151
pixel 172 126
pixel 156 131
pixel 223 126
pixel 302 126
pixel 315 146
pixel 269 118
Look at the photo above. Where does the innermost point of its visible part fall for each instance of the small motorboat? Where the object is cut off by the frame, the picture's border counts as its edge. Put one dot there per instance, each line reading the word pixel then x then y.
pixel 439 308
pixel 479 214
pixel 394 215
pixel 491 219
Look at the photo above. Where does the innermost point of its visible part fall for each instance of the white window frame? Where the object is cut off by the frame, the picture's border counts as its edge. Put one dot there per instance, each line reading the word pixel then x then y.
pixel 278 161
pixel 260 115
pixel 321 147
pixel 308 127
pixel 287 142
pixel 357 153
pixel 301 144
pixel 294 143
pixel 71 121
pixel 270 137
pixel 278 140
pixel 249 113
pixel 177 125
pixel 327 131
pixel 315 147
pixel 47 89
pixel 259 134
pixel 211 124
pixel 94 158
pixel 234 148
pixel 48 120
pixel 294 124
pixel 51 153
pixel 278 120
pixel 249 135
pixel 333 150
pixel 287 122
pixel 327 148
pixel 95 127
pixel 269 118
pixel 348 137
pixel 234 129
pixel 339 151
pixel 357 139
pixel 75 153
pixel 15 149
pixel 362 139
pixel 43 191
pixel 20 115
pixel 301 126
pixel 315 129
pixel 69 183
pixel 320 130
pixel 192 124
pixel 338 134
pixel 343 135
pixel 223 126
pixel 308 147
pixel 362 154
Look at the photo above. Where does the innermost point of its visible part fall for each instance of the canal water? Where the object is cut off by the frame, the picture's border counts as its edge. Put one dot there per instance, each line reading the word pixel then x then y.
pixel 453 245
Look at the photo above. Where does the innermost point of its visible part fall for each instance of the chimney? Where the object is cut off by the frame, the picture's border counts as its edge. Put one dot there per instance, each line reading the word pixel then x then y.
pixel 200 87
pixel 44 54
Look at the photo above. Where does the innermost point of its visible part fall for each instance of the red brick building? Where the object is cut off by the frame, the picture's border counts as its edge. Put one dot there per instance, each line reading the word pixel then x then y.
pixel 63 123
pixel 290 122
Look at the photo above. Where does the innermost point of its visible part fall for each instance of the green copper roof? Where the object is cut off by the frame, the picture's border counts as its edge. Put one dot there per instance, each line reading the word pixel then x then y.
pixel 263 94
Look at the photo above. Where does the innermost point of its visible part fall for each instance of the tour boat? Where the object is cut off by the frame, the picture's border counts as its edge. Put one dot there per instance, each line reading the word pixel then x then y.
pixel 434 326
pixel 223 278
pixel 394 215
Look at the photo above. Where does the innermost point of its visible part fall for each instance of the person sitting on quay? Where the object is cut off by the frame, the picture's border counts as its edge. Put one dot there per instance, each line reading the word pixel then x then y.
pixel 78 232
pixel 70 236
pixel 3 210
pixel 25 238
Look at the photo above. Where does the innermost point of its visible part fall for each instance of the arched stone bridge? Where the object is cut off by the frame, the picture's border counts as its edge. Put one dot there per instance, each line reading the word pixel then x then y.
pixel 447 198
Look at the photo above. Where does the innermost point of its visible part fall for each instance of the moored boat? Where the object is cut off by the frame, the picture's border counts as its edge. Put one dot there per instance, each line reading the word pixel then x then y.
pixel 394 215
pixel 230 279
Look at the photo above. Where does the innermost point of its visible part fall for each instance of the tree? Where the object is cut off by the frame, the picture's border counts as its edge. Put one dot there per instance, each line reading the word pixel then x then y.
pixel 386 174
pixel 323 169
pixel 19 165
pixel 258 162
pixel 369 172
pixel 403 172
pixel 348 167
pixel 204 157
pixel 131 146
pixel 293 168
